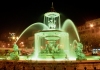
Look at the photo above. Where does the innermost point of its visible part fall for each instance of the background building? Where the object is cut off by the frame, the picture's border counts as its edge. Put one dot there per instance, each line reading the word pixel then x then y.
pixel 90 34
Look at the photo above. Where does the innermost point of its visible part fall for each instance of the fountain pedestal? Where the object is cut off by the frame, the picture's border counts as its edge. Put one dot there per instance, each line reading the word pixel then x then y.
pixel 51 44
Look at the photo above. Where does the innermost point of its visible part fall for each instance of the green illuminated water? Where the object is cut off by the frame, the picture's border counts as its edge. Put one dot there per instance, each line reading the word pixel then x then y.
pixel 70 27
pixel 33 27
pixel 50 41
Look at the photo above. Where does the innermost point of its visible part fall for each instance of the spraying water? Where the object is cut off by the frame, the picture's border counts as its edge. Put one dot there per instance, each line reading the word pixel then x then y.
pixel 52 42
pixel 70 27
pixel 33 27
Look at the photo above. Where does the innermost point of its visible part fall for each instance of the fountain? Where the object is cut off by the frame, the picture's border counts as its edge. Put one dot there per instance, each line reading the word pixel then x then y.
pixel 50 45
pixel 51 41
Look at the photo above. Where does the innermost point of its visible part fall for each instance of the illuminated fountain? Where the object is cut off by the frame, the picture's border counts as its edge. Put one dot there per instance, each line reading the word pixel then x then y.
pixel 53 41
pixel 50 44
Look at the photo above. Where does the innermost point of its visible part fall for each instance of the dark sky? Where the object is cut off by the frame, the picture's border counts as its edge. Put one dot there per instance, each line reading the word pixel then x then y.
pixel 15 16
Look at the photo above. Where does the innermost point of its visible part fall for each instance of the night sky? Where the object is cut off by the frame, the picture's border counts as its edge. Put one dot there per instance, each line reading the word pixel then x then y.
pixel 15 16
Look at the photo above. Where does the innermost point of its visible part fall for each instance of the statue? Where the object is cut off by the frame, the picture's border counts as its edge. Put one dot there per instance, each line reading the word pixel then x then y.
pixel 79 51
pixel 52 24
pixel 15 54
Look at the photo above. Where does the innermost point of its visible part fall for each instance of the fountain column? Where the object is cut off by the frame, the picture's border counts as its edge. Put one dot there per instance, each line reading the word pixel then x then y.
pixel 52 20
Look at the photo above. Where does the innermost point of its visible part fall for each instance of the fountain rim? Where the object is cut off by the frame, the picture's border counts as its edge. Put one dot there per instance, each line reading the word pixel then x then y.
pixel 52 13
pixel 50 31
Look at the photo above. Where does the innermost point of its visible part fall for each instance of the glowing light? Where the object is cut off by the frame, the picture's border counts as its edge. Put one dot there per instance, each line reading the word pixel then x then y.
pixel 8 44
pixel 21 42
pixel 17 38
pixel 91 25
pixel 3 46
pixel 13 38
pixel 41 47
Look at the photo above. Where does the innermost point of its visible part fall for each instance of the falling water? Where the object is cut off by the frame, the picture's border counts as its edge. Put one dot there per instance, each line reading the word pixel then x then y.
pixel 70 27
pixel 51 42
pixel 34 27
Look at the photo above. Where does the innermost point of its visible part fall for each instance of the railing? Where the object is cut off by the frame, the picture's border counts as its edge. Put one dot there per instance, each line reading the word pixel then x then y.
pixel 27 65
pixel 34 68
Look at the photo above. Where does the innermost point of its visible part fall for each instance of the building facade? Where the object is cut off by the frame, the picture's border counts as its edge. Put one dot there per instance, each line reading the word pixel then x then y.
pixel 90 34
